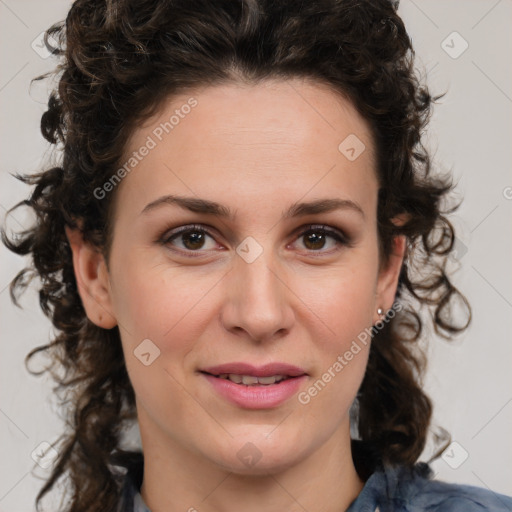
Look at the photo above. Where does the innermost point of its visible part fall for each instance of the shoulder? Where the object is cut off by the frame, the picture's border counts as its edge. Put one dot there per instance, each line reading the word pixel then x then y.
pixel 404 489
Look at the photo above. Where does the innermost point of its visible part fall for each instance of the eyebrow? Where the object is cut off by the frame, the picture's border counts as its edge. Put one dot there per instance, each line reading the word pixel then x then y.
pixel 207 207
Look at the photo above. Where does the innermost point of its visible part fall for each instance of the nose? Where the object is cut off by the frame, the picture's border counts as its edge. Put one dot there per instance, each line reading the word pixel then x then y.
pixel 259 301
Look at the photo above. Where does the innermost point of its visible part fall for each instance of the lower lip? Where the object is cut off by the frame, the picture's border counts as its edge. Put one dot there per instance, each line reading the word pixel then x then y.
pixel 259 396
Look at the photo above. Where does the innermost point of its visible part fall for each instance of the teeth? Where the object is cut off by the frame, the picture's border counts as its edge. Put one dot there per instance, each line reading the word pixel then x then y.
pixel 270 380
pixel 235 378
pixel 250 380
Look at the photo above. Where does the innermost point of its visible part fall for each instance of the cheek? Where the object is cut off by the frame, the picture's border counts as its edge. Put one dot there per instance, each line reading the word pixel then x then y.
pixel 342 314
pixel 339 316
pixel 169 308
pixel 162 303
pixel 341 299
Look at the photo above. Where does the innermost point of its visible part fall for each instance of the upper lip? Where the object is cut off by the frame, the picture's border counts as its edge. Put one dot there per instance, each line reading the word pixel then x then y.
pixel 266 370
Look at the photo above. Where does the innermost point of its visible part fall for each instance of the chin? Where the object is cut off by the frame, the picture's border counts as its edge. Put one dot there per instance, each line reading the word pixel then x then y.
pixel 258 455
pixel 262 467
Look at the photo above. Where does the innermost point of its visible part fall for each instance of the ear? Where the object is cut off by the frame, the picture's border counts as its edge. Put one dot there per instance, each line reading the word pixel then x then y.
pixel 387 281
pixel 92 280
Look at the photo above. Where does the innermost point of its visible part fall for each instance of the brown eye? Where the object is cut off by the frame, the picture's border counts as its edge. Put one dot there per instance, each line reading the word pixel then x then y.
pixel 193 239
pixel 316 238
pixel 189 238
pixel 314 241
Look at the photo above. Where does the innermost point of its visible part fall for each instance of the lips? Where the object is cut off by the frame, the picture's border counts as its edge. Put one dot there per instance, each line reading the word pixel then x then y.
pixel 255 387
pixel 269 370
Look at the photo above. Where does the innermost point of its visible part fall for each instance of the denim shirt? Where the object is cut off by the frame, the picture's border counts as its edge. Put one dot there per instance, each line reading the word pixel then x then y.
pixel 393 489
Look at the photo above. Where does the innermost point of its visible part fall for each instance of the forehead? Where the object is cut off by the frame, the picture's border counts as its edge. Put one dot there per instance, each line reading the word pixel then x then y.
pixel 292 136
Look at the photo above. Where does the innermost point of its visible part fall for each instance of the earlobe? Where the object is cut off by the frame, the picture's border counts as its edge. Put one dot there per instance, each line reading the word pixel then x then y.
pixel 388 277
pixel 92 280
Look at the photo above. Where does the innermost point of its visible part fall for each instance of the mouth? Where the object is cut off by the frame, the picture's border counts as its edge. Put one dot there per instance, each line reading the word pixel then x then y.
pixel 252 380
pixel 249 375
pixel 250 387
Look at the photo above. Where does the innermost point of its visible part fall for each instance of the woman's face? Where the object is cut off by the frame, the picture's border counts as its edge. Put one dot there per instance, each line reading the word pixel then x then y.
pixel 290 273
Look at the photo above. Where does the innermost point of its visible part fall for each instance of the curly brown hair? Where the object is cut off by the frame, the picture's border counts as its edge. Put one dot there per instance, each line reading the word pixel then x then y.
pixel 118 60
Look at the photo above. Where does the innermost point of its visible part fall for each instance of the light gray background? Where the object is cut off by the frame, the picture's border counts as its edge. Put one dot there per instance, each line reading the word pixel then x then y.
pixel 470 133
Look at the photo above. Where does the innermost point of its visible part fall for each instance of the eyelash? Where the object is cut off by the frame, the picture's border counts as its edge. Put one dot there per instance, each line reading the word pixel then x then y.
pixel 341 239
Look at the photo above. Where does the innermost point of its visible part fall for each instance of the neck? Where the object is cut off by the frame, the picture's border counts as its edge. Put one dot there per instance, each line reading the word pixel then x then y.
pixel 177 479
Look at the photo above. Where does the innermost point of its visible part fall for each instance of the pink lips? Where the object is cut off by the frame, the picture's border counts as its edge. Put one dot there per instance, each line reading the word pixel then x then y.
pixel 258 396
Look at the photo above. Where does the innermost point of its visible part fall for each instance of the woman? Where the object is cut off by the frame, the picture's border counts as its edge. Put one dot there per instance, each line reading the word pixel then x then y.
pixel 234 249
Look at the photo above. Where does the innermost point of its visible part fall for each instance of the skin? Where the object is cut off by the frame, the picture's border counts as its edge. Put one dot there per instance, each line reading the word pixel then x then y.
pixel 256 150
